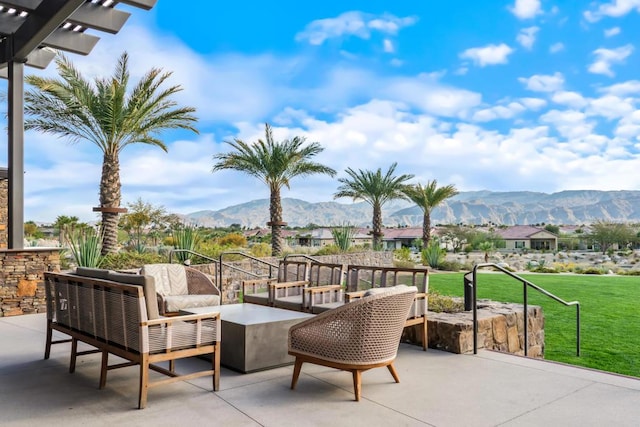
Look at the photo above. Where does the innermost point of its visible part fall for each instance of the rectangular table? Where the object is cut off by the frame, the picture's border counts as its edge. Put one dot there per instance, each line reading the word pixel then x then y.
pixel 254 337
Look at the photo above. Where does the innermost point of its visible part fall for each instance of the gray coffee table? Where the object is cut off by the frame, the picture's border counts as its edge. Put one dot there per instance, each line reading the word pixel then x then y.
pixel 254 337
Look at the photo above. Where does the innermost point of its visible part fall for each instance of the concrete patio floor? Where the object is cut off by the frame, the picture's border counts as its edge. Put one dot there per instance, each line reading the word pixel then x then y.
pixel 436 389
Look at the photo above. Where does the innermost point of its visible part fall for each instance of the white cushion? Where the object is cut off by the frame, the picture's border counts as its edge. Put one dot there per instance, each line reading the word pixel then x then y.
pixel 170 279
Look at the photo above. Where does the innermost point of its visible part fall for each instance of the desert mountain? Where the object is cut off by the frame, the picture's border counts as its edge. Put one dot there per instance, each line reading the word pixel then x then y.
pixel 475 207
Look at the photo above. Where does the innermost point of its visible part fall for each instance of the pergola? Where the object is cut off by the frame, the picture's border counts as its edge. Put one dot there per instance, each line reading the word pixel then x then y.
pixel 31 32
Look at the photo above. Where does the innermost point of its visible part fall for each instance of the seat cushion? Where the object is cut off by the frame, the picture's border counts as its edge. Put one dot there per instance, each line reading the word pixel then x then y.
pixel 170 279
pixel 290 303
pixel 148 286
pixel 175 303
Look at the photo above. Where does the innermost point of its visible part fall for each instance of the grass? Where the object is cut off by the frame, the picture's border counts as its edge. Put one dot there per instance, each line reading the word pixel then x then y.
pixel 610 314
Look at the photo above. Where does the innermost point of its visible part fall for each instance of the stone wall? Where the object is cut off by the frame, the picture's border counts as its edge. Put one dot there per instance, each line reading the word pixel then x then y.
pixel 500 327
pixel 22 279
pixel 4 213
pixel 232 278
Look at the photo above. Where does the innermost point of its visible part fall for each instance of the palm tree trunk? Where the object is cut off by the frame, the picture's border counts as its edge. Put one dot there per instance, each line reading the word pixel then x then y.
pixel 110 198
pixel 426 229
pixel 275 213
pixel 377 227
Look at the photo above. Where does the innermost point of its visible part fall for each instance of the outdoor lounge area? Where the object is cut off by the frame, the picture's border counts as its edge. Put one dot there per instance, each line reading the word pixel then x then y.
pixel 436 388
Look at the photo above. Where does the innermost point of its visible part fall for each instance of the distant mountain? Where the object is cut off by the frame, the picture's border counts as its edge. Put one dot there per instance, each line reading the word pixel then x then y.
pixel 473 207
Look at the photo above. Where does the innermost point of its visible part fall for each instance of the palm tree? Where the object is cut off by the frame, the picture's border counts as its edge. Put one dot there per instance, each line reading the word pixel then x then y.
pixel 275 164
pixel 427 198
pixel 107 114
pixel 375 189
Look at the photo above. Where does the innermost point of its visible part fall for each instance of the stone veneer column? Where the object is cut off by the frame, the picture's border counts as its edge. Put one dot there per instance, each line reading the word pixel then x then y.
pixel 22 279
pixel 4 200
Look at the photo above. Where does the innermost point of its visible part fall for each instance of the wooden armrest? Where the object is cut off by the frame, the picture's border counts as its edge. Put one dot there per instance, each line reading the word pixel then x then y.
pixel 323 288
pixel 350 296
pixel 184 318
pixel 282 285
pixel 255 285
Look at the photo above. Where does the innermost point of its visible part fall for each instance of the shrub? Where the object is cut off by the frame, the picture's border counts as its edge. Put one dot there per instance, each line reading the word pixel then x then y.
pixel 260 250
pixel 450 265
pixel 235 240
pixel 328 250
pixel 592 270
pixel 444 304
pixel 403 264
pixel 403 254
pixel 128 260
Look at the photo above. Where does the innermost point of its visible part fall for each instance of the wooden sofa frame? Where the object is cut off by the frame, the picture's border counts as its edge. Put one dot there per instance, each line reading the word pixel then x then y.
pixel 113 317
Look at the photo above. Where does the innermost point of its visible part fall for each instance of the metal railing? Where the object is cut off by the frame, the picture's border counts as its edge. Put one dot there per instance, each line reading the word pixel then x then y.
pixel 305 256
pixel 525 286
pixel 250 273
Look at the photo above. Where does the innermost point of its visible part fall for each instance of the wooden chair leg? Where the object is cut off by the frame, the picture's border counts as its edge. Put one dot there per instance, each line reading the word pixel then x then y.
pixel 296 373
pixel 425 337
pixel 144 381
pixel 357 383
pixel 393 371
pixel 74 355
pixel 47 346
pixel 104 367
pixel 172 365
pixel 216 368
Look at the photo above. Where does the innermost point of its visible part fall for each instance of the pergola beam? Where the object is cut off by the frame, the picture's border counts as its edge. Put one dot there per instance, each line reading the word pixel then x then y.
pixel 98 17
pixel 71 41
pixel 37 26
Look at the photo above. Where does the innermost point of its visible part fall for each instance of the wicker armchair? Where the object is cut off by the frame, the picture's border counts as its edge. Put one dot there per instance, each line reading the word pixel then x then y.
pixel 355 337
pixel 179 287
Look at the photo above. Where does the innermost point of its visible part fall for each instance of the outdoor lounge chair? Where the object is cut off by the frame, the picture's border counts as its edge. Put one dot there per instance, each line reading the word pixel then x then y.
pixel 323 284
pixel 257 291
pixel 179 287
pixel 355 337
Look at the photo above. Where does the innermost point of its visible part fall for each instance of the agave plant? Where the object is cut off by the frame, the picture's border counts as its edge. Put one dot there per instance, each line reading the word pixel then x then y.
pixel 433 254
pixel 86 247
pixel 342 236
pixel 187 239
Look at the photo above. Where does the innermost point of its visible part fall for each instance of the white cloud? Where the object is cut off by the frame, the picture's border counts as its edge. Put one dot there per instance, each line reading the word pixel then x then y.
pixel 498 112
pixel 527 37
pixel 387 46
pixel 543 83
pixel 613 9
pixel 610 107
pixel 430 96
pixel 610 32
pixel 570 124
pixel 605 58
pixel 570 99
pixel 533 103
pixel 352 23
pixel 556 47
pixel 488 55
pixel 631 87
pixel 526 9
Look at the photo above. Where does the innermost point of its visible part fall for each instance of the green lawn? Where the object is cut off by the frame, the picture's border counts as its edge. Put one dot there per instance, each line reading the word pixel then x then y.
pixel 610 314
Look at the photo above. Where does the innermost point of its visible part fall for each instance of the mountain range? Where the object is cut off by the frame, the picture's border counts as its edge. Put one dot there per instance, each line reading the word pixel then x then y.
pixel 472 207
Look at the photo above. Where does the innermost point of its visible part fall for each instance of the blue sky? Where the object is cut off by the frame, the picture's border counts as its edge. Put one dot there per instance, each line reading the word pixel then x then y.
pixel 496 95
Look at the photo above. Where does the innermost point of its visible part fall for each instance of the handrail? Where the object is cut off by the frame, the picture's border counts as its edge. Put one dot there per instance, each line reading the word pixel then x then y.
pixel 309 257
pixel 526 284
pixel 233 267
pixel 190 252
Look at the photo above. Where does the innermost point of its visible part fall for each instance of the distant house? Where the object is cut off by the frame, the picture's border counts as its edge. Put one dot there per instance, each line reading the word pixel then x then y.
pixel 528 237
pixel 396 238
pixel 320 237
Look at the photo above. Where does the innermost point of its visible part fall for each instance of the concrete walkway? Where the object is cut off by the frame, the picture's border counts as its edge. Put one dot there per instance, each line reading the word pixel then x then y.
pixel 436 389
